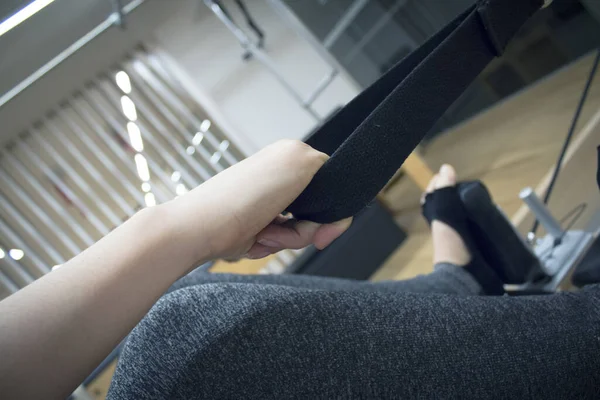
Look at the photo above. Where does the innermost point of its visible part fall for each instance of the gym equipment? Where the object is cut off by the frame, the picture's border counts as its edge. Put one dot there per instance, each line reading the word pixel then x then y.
pixel 535 266
pixel 371 137
pixel 500 245
pixel 445 205
pixel 542 268
pixel 559 251
pixel 251 23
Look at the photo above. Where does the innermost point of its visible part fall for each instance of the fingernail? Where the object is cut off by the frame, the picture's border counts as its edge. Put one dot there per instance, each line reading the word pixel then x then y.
pixel 269 243
pixel 258 254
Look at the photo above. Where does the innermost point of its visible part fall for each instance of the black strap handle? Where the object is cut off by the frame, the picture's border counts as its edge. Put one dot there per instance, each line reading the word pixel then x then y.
pixel 370 138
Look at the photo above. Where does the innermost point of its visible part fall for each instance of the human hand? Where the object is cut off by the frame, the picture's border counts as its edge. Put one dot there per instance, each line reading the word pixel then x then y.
pixel 238 212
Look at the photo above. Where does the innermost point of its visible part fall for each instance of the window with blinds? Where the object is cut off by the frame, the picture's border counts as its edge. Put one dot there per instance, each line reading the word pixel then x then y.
pixel 129 139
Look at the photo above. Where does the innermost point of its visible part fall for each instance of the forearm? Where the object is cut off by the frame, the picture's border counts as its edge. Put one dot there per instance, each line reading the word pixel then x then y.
pixel 55 331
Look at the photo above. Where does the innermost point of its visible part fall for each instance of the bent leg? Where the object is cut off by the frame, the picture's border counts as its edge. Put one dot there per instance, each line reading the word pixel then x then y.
pixel 251 341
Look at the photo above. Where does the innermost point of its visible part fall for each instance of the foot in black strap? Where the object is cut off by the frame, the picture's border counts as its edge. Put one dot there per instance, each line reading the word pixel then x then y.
pixel 453 243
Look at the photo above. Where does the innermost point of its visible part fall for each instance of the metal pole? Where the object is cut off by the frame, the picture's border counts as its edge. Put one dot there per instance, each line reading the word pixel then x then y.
pixel 344 22
pixel 14 239
pixel 376 28
pixel 32 231
pixel 542 213
pixel 321 86
pixel 260 55
pixel 300 28
pixel 68 52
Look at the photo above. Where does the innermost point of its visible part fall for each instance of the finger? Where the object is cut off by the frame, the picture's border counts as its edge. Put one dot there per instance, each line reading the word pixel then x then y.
pixel 260 251
pixel 326 234
pixel 291 235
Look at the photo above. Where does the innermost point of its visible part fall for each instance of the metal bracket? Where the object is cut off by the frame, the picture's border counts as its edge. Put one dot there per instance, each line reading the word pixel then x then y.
pixel 541 212
pixel 559 251
pixel 558 261
pixel 261 56
pixel 118 11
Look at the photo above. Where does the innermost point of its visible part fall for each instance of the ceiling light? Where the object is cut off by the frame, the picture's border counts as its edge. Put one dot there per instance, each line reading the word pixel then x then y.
pixel 215 158
pixel 142 167
pixel 181 189
pixel 23 14
pixel 16 254
pixel 2 254
pixel 123 81
pixel 205 125
pixel 150 199
pixel 224 145
pixel 176 176
pixel 128 108
pixel 146 187
pixel 197 139
pixel 135 136
pixel 56 267
pixel 190 150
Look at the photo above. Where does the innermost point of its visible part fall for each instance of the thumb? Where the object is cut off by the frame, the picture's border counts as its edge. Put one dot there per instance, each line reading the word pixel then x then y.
pixel 326 234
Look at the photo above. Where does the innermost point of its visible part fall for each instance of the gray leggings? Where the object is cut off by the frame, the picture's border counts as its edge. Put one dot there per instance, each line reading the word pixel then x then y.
pixel 280 337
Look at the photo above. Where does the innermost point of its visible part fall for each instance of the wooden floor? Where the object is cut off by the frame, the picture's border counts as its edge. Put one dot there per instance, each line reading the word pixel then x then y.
pixel 509 147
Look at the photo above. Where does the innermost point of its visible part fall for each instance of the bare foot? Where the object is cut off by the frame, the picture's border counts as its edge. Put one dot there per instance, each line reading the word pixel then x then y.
pixel 448 246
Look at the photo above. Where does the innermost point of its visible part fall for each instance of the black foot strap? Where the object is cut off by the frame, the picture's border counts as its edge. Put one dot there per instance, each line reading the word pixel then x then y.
pixel 445 205
pixel 369 139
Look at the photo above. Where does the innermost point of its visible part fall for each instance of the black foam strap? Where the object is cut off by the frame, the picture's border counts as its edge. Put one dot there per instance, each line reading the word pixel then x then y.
pixel 369 139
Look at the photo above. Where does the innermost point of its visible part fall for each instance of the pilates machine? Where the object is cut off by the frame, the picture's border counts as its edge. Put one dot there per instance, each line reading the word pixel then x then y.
pixel 555 255
pixel 559 251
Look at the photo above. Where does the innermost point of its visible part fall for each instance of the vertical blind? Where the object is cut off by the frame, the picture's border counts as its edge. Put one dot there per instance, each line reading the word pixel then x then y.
pixel 131 138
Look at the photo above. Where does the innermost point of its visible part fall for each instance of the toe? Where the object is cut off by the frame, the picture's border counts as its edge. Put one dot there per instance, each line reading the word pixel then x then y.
pixel 446 177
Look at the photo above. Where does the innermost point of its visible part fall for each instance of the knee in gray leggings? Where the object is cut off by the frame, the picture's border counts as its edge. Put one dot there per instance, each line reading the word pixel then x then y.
pixel 268 341
pixel 253 341
pixel 202 342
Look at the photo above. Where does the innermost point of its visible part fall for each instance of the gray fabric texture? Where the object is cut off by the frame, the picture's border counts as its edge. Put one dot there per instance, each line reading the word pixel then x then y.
pixel 447 278
pixel 298 337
